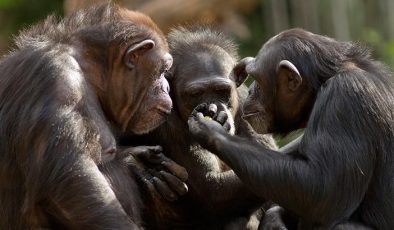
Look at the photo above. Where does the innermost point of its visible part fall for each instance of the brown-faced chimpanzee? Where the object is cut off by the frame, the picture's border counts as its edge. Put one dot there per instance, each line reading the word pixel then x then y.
pixel 342 168
pixel 65 90
pixel 203 61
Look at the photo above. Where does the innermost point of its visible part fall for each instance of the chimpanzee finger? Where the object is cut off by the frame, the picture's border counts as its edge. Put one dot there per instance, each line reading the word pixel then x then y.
pixel 149 187
pixel 227 126
pixel 152 154
pixel 175 184
pixel 155 149
pixel 156 156
pixel 199 116
pixel 202 108
pixel 139 170
pixel 193 124
pixel 164 190
pixel 141 150
pixel 222 117
pixel 212 110
pixel 176 169
pixel 152 158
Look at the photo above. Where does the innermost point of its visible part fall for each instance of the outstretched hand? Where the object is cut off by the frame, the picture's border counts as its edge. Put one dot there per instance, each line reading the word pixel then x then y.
pixel 206 124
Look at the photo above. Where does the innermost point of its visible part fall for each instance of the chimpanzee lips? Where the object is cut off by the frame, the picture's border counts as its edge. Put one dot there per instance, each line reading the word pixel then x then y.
pixel 164 111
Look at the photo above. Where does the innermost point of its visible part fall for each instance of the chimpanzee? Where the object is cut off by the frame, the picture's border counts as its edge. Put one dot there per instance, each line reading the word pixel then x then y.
pixel 342 168
pixel 203 60
pixel 67 88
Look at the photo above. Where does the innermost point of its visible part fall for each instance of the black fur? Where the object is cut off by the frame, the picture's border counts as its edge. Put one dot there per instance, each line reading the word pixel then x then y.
pixel 216 196
pixel 343 167
pixel 52 124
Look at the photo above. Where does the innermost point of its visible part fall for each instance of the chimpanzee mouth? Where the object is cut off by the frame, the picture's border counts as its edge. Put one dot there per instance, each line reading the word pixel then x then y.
pixel 163 111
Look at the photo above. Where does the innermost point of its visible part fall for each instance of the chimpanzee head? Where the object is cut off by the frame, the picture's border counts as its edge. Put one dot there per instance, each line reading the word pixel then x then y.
pixel 288 71
pixel 125 60
pixel 203 60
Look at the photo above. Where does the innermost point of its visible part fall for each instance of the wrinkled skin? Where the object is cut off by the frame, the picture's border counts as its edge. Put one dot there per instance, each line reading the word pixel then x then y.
pixel 203 60
pixel 338 176
pixel 67 88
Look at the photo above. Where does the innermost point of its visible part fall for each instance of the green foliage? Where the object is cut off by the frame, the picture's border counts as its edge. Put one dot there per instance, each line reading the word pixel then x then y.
pixel 383 49
pixel 17 14
pixel 259 34
pixel 389 54
pixel 8 3
pixel 281 141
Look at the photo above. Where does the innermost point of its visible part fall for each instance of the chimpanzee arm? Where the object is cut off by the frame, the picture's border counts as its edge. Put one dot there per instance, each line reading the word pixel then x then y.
pixel 244 129
pixel 210 175
pixel 281 178
pixel 62 174
pixel 84 199
pixel 215 187
pixel 313 180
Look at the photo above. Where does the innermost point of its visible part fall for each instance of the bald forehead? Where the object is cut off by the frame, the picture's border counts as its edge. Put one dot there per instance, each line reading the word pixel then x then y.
pixel 205 63
pixel 142 20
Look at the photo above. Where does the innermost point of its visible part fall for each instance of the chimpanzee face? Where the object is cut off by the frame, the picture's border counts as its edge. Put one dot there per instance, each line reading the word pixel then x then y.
pixel 145 64
pixel 279 97
pixel 132 89
pixel 203 77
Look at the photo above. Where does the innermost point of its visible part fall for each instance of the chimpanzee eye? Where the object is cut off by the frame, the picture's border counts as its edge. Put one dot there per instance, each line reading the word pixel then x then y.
pixel 222 91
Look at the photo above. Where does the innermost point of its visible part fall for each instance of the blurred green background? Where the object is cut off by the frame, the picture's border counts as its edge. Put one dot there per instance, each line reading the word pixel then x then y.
pixel 249 22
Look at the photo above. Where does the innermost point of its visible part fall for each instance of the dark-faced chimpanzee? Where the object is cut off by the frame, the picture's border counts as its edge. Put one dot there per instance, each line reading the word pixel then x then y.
pixel 203 60
pixel 65 90
pixel 342 168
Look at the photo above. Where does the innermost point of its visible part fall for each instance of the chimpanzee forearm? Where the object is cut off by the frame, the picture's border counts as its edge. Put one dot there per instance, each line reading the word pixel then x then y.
pixel 261 169
pixel 84 199
pixel 216 188
pixel 342 169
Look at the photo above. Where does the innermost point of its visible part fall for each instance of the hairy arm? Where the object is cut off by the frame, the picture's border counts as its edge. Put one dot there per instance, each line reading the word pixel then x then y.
pixel 216 187
pixel 63 174
pixel 313 180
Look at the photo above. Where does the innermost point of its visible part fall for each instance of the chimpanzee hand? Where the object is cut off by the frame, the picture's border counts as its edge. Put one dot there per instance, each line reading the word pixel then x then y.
pixel 273 219
pixel 158 173
pixel 219 114
pixel 205 124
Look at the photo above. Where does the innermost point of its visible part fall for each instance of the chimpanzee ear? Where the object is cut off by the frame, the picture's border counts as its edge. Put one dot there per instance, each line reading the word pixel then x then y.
pixel 135 50
pixel 288 73
pixel 239 73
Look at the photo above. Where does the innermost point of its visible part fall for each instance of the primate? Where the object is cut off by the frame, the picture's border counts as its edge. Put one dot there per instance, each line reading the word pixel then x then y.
pixel 342 168
pixel 66 90
pixel 203 60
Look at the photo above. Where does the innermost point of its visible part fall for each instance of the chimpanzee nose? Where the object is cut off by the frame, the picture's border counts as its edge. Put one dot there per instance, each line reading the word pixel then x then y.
pixel 167 61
